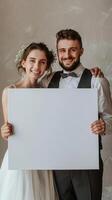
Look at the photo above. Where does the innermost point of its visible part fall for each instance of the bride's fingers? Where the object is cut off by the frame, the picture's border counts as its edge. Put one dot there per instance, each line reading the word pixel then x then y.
pixel 6 133
pixel 6 124
pixel 6 129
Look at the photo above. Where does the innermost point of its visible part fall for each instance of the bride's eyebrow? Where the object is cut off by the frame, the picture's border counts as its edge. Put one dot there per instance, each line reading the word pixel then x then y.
pixel 32 58
pixel 43 59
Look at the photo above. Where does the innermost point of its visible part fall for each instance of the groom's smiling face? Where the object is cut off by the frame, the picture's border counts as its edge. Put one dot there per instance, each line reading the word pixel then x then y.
pixel 69 52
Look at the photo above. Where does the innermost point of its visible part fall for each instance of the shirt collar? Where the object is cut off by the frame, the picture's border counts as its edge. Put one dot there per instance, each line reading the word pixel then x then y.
pixel 79 70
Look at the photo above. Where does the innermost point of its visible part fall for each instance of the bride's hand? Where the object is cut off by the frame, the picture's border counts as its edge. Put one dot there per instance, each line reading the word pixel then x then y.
pixel 6 130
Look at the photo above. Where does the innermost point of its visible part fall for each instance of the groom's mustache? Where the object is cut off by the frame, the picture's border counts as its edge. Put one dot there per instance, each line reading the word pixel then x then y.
pixel 69 58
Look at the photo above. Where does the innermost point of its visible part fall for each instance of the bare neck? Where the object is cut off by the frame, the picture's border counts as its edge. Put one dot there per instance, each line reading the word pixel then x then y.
pixel 25 83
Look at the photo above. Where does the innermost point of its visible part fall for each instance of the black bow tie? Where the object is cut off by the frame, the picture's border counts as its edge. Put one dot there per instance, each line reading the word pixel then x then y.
pixel 65 75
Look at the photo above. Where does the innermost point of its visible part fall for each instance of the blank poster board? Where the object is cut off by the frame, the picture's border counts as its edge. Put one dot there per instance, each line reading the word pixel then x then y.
pixel 52 129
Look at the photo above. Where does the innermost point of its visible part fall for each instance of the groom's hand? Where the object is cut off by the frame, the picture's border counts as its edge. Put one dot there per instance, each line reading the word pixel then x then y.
pixel 96 71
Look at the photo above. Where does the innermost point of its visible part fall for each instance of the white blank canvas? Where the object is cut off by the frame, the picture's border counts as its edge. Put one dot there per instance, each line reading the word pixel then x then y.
pixel 52 129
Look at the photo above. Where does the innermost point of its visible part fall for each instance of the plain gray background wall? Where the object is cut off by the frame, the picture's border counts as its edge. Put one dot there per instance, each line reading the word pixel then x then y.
pixel 22 22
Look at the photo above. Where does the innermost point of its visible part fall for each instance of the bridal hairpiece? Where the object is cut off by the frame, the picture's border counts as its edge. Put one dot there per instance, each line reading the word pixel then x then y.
pixel 19 54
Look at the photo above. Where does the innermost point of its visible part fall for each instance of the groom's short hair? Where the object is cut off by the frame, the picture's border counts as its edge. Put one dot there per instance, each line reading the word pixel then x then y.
pixel 68 34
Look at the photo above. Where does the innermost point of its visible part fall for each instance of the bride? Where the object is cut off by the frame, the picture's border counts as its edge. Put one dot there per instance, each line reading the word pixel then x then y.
pixel 34 60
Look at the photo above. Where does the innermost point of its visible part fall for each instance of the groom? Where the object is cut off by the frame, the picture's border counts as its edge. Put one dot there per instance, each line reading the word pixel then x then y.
pixel 80 184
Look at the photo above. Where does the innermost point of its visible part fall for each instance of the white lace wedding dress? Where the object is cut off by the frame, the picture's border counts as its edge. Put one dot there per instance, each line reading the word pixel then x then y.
pixel 25 184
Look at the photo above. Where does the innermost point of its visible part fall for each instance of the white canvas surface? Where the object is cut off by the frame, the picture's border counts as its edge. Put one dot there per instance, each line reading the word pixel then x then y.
pixel 52 129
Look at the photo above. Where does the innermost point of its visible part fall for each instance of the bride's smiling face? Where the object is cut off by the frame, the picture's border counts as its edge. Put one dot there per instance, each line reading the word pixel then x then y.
pixel 35 64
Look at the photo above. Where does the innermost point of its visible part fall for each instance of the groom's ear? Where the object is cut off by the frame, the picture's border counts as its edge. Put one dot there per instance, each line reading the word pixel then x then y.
pixel 81 51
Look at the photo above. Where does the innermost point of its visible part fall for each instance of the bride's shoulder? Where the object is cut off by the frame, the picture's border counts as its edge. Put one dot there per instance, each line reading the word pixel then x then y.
pixel 11 86
pixel 5 90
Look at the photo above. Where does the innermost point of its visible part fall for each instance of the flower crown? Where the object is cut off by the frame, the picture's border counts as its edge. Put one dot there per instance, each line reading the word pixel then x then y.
pixel 19 54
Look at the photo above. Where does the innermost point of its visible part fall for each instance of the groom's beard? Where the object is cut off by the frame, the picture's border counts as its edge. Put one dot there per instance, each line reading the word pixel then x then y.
pixel 72 67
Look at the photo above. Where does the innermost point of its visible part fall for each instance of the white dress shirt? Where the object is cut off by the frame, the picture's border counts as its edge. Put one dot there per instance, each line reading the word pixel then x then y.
pixel 104 96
